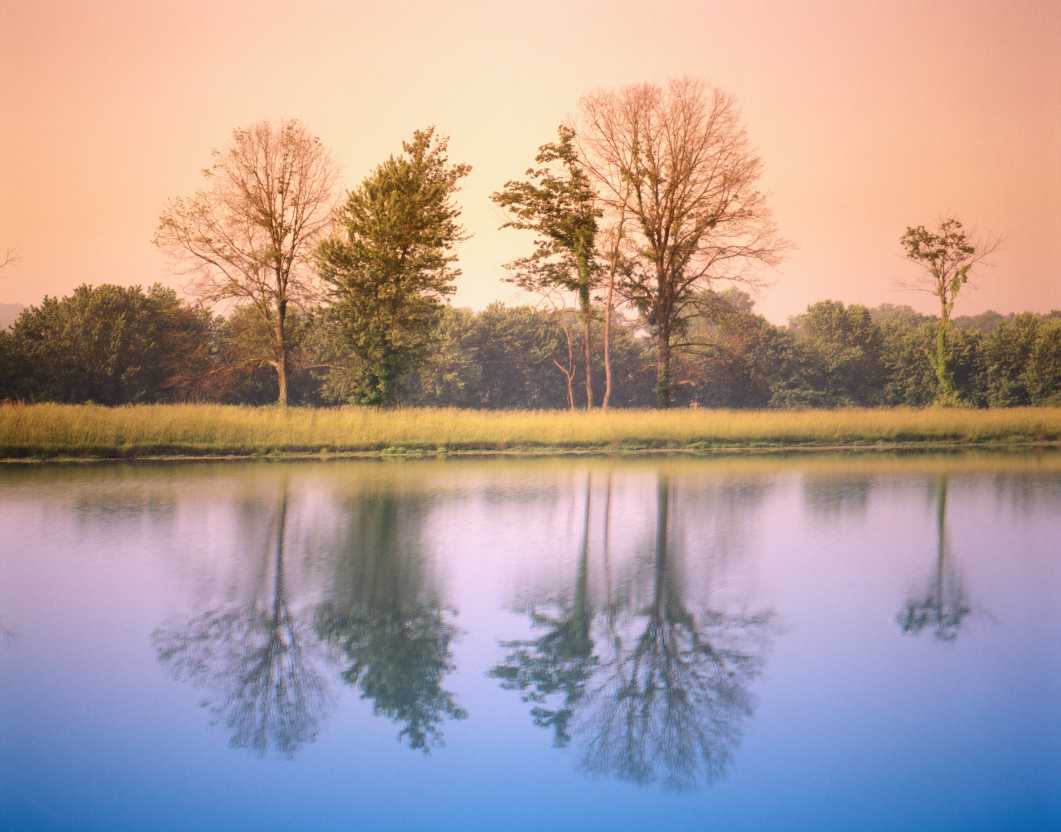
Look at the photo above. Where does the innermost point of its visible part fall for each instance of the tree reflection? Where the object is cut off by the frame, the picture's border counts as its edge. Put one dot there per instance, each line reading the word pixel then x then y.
pixel 942 607
pixel 386 624
pixel 558 664
pixel 661 695
pixel 254 660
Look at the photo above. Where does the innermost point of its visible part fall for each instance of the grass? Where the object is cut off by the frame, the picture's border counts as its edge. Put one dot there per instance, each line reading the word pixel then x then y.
pixel 57 431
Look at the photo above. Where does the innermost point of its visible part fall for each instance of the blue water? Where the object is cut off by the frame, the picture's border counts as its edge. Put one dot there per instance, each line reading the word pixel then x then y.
pixel 809 643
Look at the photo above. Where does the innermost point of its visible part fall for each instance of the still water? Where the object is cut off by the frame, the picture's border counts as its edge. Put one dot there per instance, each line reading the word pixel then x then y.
pixel 756 643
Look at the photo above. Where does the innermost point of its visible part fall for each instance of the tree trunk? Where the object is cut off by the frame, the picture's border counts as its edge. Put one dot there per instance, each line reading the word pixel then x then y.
pixel 942 361
pixel 662 523
pixel 609 303
pixel 587 317
pixel 663 368
pixel 280 335
pixel 608 342
pixel 569 370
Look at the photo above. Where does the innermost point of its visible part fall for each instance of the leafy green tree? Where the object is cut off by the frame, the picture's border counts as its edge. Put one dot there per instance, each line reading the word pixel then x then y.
pixel 558 203
pixel 109 344
pixel 906 341
pixel 515 349
pixel 847 345
pixel 391 267
pixel 946 258
pixel 1007 352
pixel 731 364
pixel 1042 373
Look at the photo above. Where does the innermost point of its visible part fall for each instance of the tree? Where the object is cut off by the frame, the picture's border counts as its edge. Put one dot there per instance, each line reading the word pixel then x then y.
pixel 677 163
pixel 654 688
pixel 391 267
pixel 561 208
pixel 108 344
pixel 1008 350
pixel 943 607
pixel 257 663
pixel 8 258
pixel 250 234
pixel 1042 375
pixel 946 258
pixel 387 623
pixel 847 345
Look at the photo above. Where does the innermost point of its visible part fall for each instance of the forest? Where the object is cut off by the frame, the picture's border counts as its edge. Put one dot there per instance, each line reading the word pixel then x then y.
pixel 114 345
pixel 647 238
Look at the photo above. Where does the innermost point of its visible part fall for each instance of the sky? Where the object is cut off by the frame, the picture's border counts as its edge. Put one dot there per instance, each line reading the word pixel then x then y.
pixel 869 117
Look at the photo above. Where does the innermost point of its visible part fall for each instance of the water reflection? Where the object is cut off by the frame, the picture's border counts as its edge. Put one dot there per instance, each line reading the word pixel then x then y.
pixel 257 661
pixel 942 607
pixel 387 621
pixel 655 683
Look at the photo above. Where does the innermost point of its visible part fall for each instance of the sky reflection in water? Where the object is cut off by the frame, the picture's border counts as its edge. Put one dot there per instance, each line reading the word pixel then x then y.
pixel 754 643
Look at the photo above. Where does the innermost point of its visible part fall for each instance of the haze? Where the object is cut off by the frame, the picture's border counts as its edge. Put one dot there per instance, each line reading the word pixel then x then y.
pixel 868 116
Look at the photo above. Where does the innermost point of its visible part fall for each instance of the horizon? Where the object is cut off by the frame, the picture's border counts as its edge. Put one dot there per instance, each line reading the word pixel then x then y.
pixel 857 140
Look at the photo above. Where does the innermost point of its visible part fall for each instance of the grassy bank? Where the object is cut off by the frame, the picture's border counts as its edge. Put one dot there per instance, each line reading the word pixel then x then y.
pixel 50 431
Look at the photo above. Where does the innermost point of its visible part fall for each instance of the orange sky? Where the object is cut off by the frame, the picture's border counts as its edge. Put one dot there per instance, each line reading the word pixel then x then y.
pixel 868 115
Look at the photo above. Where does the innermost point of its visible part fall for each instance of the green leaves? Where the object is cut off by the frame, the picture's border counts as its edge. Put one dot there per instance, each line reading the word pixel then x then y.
pixel 391 267
pixel 558 203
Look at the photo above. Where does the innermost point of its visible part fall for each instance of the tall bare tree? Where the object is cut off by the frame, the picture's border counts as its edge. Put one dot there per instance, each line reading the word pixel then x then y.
pixel 676 163
pixel 8 258
pixel 249 235
pixel 946 257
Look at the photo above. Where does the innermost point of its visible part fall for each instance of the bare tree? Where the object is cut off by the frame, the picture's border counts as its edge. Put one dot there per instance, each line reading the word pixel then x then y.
pixel 250 234
pixel 946 257
pixel 10 256
pixel 677 163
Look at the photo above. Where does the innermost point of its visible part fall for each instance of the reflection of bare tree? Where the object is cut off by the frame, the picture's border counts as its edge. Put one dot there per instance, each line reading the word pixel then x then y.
pixel 255 661
pixel 943 606
pixel 663 696
pixel 388 625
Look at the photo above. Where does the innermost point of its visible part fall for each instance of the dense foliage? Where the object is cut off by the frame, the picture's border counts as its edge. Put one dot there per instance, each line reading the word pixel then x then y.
pixel 390 267
pixel 115 345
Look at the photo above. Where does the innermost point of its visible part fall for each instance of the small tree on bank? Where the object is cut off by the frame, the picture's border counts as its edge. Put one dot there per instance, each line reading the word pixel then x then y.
pixel 561 207
pixel 250 234
pixel 946 257
pixel 390 267
pixel 677 165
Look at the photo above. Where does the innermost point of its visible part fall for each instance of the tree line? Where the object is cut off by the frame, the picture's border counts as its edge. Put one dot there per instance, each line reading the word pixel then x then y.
pixel 642 209
pixel 119 345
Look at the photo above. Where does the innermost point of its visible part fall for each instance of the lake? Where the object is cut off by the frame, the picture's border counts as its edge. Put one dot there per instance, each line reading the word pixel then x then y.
pixel 743 643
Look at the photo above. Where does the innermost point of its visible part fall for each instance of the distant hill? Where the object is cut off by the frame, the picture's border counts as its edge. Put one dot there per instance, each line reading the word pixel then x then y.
pixel 8 313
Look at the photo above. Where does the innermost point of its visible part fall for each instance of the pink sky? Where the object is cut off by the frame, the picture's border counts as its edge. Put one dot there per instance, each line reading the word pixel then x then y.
pixel 869 116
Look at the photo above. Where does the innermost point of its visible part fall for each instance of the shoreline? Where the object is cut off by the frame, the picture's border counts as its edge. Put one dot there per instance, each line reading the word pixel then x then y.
pixel 37 433
pixel 866 448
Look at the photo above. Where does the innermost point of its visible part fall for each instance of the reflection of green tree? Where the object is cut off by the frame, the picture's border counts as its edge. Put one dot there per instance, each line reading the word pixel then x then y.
pixel 943 606
pixel 388 626
pixel 253 660
pixel 664 698
pixel 561 660
pixel 831 496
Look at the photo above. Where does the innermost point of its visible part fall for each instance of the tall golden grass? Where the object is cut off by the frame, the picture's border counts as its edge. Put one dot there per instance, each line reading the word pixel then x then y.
pixel 150 430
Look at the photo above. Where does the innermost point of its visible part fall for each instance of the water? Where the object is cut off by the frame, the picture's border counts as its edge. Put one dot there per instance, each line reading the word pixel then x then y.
pixel 747 643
